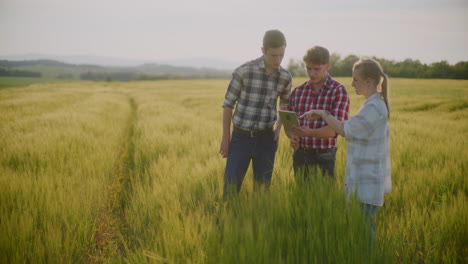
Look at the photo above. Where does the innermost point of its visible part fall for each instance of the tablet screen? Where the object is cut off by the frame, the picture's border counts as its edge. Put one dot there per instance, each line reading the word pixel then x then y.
pixel 289 119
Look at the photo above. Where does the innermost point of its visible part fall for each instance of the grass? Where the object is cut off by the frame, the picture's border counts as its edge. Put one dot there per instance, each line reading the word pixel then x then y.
pixel 23 81
pixel 142 157
pixel 58 147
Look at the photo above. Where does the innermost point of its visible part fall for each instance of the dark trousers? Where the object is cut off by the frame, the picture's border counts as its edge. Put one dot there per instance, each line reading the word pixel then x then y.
pixel 260 150
pixel 308 162
pixel 369 212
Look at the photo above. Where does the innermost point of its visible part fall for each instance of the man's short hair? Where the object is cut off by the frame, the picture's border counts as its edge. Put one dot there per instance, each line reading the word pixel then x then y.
pixel 273 39
pixel 317 55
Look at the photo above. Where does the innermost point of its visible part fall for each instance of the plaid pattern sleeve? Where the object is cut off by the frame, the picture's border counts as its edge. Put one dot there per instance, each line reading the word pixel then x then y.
pixel 360 126
pixel 233 90
pixel 340 104
pixel 284 96
pixel 332 97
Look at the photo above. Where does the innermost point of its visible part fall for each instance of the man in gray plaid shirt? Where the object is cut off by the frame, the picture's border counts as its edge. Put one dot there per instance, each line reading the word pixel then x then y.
pixel 253 92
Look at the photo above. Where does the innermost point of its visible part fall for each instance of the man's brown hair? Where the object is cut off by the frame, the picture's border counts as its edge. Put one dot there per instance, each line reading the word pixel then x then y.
pixel 317 55
pixel 273 39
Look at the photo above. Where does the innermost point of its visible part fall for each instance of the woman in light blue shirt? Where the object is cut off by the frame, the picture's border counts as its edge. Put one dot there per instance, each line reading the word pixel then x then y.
pixel 368 173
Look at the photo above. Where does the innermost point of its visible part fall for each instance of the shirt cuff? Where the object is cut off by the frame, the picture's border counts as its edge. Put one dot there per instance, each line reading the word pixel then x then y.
pixel 347 130
pixel 284 103
pixel 228 103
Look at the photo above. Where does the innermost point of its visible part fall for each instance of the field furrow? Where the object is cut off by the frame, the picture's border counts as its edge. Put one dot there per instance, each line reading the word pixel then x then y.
pixel 110 235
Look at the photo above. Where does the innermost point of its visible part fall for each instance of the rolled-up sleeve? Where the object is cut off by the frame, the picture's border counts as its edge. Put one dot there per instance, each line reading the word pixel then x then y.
pixel 233 91
pixel 361 125
pixel 284 96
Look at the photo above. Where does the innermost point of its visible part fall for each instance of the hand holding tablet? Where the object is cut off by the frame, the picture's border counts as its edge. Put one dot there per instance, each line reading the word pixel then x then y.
pixel 289 119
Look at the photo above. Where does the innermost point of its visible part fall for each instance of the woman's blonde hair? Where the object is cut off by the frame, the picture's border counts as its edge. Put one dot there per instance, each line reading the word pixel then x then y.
pixel 369 68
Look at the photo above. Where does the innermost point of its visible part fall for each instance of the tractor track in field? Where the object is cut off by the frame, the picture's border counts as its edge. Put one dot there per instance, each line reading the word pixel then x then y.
pixel 109 238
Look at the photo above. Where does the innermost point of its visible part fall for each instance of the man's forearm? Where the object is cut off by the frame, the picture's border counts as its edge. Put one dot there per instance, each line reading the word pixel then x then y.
pixel 227 117
pixel 323 132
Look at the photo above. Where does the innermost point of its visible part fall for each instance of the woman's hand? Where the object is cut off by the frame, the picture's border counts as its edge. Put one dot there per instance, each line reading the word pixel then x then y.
pixel 313 115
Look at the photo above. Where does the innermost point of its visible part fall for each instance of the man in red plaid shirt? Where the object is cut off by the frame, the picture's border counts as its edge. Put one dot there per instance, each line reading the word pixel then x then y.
pixel 313 141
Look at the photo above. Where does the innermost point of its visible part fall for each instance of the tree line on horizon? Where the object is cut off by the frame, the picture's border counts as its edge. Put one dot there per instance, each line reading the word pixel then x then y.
pixel 4 72
pixel 339 67
pixel 401 69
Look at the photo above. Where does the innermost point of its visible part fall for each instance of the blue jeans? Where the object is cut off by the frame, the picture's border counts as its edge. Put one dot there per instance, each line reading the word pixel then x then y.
pixel 369 213
pixel 260 150
pixel 308 162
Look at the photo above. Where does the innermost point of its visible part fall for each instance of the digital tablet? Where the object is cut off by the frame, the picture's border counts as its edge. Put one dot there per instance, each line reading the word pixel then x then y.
pixel 289 119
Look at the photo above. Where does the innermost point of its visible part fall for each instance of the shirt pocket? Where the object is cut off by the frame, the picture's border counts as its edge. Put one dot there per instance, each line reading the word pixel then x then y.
pixel 271 98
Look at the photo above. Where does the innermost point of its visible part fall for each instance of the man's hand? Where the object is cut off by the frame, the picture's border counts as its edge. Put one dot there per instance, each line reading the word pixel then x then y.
pixel 300 131
pixel 226 139
pixel 277 136
pixel 224 148
pixel 295 142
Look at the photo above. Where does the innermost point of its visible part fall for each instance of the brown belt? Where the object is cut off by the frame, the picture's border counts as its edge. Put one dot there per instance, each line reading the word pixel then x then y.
pixel 253 133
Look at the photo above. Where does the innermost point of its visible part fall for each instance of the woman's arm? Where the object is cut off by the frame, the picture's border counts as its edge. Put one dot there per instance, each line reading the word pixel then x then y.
pixel 332 122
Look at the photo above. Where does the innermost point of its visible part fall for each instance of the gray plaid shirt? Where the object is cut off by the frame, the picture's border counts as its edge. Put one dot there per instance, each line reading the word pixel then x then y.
pixel 254 95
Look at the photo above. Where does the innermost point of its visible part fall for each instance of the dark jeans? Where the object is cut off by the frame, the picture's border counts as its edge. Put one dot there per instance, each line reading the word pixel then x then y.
pixel 369 212
pixel 309 163
pixel 260 150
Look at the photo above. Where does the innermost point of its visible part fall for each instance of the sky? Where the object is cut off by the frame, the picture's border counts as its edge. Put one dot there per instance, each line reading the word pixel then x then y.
pixel 232 30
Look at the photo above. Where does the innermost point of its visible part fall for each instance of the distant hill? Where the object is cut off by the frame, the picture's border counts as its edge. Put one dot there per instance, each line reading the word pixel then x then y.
pixel 61 70
pixel 75 59
pixel 112 61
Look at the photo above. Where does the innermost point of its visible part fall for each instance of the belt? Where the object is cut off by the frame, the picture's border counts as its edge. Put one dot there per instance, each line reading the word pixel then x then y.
pixel 315 151
pixel 253 133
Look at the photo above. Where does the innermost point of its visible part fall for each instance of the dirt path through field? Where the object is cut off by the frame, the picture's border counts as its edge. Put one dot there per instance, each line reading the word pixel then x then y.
pixel 110 237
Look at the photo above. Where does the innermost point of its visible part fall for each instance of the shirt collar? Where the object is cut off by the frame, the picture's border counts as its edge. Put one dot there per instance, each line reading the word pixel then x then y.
pixel 261 64
pixel 326 84
pixel 374 96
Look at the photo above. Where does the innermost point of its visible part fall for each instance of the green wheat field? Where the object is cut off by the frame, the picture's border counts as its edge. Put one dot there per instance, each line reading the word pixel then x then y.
pixel 109 172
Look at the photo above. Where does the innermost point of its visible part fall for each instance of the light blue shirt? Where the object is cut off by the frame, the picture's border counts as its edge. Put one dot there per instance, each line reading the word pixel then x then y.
pixel 368 172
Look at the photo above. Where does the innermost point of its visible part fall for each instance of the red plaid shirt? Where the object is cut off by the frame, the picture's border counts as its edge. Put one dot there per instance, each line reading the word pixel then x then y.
pixel 332 97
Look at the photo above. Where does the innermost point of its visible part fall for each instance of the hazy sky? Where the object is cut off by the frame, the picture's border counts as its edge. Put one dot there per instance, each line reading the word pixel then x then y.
pixel 232 30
